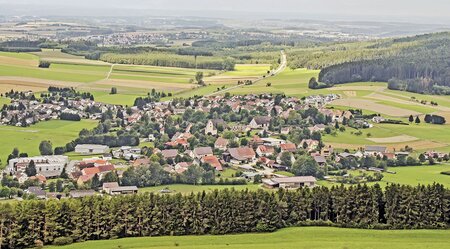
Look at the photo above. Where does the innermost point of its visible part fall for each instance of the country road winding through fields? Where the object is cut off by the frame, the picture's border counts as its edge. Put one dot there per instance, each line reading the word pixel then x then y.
pixel 280 69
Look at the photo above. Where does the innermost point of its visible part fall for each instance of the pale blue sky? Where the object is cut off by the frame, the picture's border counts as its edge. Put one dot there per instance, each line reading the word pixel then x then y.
pixel 402 9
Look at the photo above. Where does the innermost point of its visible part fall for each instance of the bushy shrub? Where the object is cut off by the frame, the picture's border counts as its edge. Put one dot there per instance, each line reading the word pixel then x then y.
pixel 61 241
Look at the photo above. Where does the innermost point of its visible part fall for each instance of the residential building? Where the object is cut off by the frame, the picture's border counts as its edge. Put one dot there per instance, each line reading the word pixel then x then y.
pixel 241 155
pixel 201 152
pixel 221 144
pixel 260 122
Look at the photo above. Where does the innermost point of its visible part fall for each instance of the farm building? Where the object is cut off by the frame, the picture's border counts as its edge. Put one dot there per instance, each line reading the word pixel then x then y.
pixel 113 188
pixel 91 149
pixel 290 182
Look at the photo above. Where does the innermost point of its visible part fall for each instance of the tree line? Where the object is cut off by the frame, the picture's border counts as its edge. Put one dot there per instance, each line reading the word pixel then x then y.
pixel 30 223
pixel 171 60
pixel 420 67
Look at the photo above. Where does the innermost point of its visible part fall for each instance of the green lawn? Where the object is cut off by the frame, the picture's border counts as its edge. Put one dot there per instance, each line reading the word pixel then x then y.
pixel 413 175
pixel 186 189
pixel 125 99
pixel 4 101
pixel 62 72
pixel 298 237
pixel 291 82
pixel 25 56
pixel 418 175
pixel 435 134
pixel 27 139
pixel 249 70
pixel 156 74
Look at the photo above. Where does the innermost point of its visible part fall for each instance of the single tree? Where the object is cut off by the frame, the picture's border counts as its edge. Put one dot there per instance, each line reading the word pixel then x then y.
pixel 45 147
pixel 417 120
pixel 30 170
pixel 199 78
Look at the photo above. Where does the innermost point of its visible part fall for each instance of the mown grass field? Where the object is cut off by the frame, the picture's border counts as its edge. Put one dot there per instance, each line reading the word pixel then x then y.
pixel 428 136
pixel 249 70
pixel 293 82
pixel 126 98
pixel 298 237
pixel 156 74
pixel 27 139
pixel 413 176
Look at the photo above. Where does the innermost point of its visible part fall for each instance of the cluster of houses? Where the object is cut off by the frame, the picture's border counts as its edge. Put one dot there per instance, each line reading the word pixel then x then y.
pixel 266 152
pixel 25 112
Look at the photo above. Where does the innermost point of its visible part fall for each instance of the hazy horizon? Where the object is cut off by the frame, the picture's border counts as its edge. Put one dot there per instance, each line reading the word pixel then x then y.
pixel 417 11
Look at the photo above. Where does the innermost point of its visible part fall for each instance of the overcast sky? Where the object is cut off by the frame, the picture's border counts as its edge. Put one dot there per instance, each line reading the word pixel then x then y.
pixel 415 10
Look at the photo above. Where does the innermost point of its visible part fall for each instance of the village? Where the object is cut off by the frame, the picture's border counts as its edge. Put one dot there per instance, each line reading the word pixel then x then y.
pixel 270 140
pixel 25 109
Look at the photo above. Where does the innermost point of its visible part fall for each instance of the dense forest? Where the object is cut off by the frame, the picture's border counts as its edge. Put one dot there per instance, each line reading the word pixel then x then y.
pixel 33 223
pixel 417 64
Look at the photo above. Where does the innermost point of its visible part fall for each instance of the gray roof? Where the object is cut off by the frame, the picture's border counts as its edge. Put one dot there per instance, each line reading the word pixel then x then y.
pixel 294 179
pixel 110 185
pixel 37 191
pixel 262 120
pixel 200 151
pixel 320 159
pixel 81 193
pixel 372 148
pixel 123 188
pixel 169 153
pixel 91 146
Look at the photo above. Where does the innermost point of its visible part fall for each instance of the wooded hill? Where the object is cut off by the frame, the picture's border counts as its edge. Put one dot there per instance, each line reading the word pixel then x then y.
pixel 417 64
pixel 33 223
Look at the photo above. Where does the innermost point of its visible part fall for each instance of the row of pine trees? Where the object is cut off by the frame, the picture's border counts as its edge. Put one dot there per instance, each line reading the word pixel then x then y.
pixel 27 223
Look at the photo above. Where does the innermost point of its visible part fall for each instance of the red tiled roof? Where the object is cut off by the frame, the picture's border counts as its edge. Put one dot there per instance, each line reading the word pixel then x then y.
pixel 105 168
pixel 213 161
pixel 85 178
pixel 91 171
pixel 288 147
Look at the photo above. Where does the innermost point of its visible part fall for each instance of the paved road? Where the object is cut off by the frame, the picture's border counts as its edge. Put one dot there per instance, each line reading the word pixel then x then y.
pixel 280 69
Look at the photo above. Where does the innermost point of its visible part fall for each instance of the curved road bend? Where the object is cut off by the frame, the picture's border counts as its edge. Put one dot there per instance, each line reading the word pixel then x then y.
pixel 280 69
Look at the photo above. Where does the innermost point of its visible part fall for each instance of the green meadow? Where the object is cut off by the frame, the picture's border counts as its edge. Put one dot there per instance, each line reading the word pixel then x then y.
pixel 257 70
pixel 433 136
pixel 411 175
pixel 61 72
pixel 292 82
pixel 296 237
pixel 27 139
pixel 125 99
pixel 156 74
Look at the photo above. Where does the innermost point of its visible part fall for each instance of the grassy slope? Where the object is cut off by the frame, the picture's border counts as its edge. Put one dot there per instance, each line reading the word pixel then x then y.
pixel 125 99
pixel 408 175
pixel 27 139
pixel 302 237
pixel 62 72
pixel 293 82
pixel 4 100
pixel 249 70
